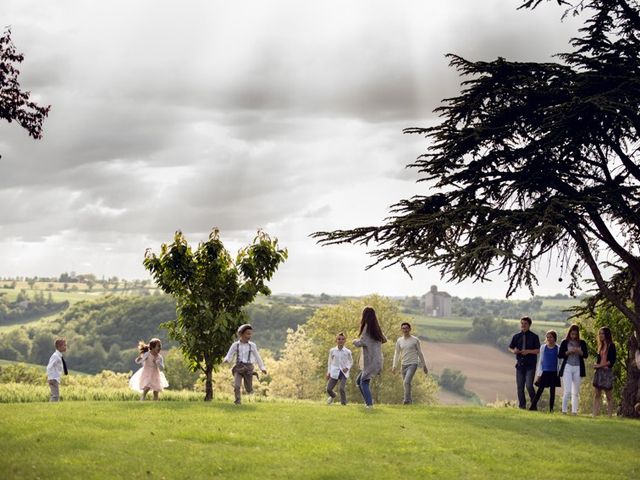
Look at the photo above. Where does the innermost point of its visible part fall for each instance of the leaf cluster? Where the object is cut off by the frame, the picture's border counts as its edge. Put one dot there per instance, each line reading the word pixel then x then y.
pixel 15 103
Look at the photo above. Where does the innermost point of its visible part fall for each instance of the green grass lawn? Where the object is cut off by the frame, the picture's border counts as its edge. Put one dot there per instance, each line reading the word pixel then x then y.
pixel 308 440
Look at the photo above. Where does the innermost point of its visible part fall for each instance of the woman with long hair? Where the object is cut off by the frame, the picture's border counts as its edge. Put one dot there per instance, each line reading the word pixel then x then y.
pixel 573 351
pixel 371 340
pixel 603 376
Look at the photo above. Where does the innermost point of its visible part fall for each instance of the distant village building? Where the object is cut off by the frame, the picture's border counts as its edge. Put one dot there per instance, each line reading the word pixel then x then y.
pixel 437 304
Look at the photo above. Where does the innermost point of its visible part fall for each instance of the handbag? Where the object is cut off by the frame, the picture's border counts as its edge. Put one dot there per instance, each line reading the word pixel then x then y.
pixel 603 379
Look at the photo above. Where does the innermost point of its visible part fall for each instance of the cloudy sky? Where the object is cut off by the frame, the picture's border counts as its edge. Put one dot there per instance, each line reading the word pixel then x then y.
pixel 280 115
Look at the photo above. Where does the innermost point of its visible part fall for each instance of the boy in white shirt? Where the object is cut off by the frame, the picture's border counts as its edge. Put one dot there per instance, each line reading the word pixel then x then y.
pixel 56 368
pixel 246 353
pixel 409 352
pixel 338 368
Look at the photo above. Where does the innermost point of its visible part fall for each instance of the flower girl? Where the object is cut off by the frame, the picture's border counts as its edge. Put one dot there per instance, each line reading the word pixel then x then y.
pixel 149 377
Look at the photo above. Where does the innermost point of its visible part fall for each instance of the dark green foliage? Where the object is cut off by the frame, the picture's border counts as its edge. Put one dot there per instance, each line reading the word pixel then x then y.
pixel 15 345
pixel 453 380
pixel 14 102
pixel 491 331
pixel 270 322
pixel 42 347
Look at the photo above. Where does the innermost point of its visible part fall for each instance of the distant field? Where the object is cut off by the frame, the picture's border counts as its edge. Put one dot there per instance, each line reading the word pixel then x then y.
pixel 450 329
pixel 74 292
pixel 71 296
pixel 541 326
pixel 454 329
pixel 489 371
pixel 563 303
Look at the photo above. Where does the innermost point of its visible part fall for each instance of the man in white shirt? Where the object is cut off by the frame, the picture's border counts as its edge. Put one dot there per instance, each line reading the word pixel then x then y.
pixel 246 352
pixel 56 368
pixel 409 352
pixel 338 368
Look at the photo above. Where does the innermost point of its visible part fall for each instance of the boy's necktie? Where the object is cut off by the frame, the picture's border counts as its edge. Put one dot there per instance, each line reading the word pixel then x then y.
pixel 64 366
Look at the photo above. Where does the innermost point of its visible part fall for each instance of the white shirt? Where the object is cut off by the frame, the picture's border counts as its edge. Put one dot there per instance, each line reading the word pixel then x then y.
pixel 339 359
pixel 54 367
pixel 409 352
pixel 242 351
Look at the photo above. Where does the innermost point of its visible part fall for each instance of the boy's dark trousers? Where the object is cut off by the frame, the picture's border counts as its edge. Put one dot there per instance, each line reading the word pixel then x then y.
pixel 331 384
pixel 242 372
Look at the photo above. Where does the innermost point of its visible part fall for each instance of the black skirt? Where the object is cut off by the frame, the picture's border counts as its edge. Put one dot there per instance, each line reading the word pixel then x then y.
pixel 549 379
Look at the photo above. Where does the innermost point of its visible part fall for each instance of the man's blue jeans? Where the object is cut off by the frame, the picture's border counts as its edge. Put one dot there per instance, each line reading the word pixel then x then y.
pixel 365 389
pixel 525 378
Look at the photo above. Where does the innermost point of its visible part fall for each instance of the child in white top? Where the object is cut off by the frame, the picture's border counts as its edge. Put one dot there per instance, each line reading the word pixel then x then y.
pixel 150 376
pixel 56 368
pixel 338 368
pixel 246 353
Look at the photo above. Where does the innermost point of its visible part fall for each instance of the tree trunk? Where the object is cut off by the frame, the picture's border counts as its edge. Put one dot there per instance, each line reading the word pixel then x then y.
pixel 630 402
pixel 208 384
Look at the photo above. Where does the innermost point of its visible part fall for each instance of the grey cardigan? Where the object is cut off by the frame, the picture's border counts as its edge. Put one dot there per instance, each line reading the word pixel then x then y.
pixel 372 359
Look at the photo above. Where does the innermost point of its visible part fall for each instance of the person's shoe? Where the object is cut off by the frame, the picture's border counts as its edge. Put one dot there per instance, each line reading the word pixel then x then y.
pixel 533 408
pixel 368 407
pixel 329 400
pixel 574 414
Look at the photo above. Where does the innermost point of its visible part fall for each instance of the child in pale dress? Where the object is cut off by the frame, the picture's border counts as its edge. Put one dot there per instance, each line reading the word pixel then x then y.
pixel 150 376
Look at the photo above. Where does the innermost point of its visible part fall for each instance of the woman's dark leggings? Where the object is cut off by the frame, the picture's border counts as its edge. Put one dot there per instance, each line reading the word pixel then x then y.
pixel 552 398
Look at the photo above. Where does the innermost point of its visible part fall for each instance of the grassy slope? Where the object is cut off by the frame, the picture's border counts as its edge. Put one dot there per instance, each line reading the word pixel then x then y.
pixel 307 440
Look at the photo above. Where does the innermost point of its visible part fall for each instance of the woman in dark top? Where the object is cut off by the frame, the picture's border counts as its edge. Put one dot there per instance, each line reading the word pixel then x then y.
pixel 573 351
pixel 603 376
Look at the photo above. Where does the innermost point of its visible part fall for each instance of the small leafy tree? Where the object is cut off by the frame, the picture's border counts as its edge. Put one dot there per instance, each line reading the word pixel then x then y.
pixel 210 289
pixel 14 102
pixel 295 375
pixel 453 380
pixel 179 375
